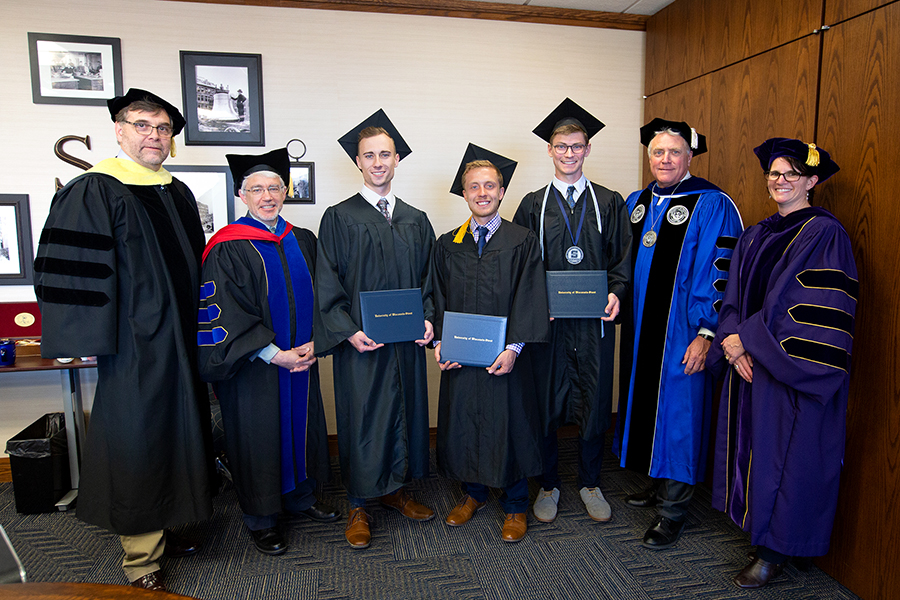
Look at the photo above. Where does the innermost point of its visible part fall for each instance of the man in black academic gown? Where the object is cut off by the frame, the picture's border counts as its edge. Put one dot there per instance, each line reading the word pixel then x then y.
pixel 257 316
pixel 375 241
pixel 489 427
pixel 118 276
pixel 581 226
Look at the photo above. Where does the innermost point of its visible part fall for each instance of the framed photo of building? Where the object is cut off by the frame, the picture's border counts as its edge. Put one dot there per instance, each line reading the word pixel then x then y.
pixel 16 250
pixel 213 189
pixel 74 69
pixel 223 99
pixel 303 177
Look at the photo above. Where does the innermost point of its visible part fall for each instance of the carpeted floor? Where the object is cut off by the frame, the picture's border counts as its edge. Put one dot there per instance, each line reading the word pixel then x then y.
pixel 571 558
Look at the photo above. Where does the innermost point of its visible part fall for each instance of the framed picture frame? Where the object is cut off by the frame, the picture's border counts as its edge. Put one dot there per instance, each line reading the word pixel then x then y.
pixel 74 69
pixel 213 189
pixel 16 249
pixel 223 99
pixel 303 177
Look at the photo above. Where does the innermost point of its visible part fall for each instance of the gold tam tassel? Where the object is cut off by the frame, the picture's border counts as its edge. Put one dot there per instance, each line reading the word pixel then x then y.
pixel 290 191
pixel 172 147
pixel 812 160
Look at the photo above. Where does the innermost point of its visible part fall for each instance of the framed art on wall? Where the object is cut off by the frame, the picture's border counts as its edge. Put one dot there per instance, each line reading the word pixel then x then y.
pixel 16 250
pixel 74 69
pixel 213 189
pixel 223 99
pixel 303 176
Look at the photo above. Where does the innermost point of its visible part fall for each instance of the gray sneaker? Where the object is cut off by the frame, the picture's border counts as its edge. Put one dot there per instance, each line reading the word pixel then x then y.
pixel 595 503
pixel 545 505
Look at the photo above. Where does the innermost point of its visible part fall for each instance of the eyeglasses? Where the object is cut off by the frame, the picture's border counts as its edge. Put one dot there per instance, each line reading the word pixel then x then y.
pixel 258 190
pixel 563 148
pixel 146 128
pixel 788 176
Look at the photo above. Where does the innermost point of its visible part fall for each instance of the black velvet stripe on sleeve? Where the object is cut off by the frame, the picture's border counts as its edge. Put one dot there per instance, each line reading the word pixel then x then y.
pixel 726 242
pixel 817 353
pixel 55 295
pixel 77 239
pixel 822 316
pixel 829 279
pixel 75 268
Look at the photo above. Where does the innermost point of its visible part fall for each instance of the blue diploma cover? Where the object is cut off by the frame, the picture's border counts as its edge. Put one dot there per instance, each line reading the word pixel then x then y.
pixel 472 340
pixel 577 294
pixel 390 316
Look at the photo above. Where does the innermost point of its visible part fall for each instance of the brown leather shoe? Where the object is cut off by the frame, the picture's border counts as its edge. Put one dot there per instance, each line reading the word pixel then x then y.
pixel 464 510
pixel 151 581
pixel 757 574
pixel 514 527
pixel 357 532
pixel 403 503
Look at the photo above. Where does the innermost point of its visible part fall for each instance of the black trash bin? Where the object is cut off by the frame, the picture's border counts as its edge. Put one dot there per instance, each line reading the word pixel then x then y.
pixel 39 461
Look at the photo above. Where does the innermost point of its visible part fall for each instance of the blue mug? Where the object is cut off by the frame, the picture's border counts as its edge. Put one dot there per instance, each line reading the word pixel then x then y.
pixel 7 353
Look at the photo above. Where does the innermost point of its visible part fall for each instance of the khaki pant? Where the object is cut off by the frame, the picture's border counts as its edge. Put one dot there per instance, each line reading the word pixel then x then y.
pixel 142 553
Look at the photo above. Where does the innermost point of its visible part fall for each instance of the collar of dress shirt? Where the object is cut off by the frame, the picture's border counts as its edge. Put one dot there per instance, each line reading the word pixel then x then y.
pixel 492 226
pixel 563 187
pixel 373 198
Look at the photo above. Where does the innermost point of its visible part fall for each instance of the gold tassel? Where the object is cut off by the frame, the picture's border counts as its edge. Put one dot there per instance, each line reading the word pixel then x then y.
pixel 172 147
pixel 290 187
pixel 458 238
pixel 812 160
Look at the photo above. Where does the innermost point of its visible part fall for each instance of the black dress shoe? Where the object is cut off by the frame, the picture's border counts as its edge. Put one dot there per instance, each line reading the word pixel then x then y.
pixel 757 574
pixel 151 581
pixel 177 546
pixel 269 541
pixel 645 499
pixel 320 512
pixel 664 533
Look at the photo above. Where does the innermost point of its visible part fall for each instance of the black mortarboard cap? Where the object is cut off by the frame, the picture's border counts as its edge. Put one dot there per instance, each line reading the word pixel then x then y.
pixel 242 165
pixel 134 94
pixel 350 140
pixel 568 113
pixel 817 159
pixel 506 166
pixel 695 141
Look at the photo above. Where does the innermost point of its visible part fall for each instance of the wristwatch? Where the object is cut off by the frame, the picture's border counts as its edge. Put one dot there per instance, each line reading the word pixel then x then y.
pixel 706 336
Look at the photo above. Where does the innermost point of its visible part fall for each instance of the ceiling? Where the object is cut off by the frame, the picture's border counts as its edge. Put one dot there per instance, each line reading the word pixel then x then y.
pixel 633 7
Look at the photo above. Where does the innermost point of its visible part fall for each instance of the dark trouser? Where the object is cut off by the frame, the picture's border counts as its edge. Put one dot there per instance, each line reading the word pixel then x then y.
pixel 297 500
pixel 673 498
pixel 769 555
pixel 590 460
pixel 357 502
pixel 513 500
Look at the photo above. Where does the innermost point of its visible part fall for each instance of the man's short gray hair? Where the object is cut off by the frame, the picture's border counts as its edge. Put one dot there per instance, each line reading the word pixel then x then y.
pixel 672 132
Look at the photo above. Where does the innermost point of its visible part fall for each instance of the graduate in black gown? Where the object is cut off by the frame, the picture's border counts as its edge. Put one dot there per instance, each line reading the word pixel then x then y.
pixel 783 345
pixel 375 241
pixel 489 426
pixel 581 226
pixel 117 275
pixel 257 316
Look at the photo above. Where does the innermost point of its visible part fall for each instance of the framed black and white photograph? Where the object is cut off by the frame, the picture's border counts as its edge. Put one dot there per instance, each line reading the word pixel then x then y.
pixel 223 99
pixel 213 189
pixel 303 177
pixel 74 69
pixel 16 250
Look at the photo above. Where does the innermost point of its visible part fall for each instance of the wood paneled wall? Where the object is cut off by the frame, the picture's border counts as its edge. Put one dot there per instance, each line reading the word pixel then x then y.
pixel 859 119
pixel 751 70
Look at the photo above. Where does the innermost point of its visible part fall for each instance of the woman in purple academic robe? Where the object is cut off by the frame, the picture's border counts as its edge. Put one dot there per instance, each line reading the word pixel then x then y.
pixel 783 346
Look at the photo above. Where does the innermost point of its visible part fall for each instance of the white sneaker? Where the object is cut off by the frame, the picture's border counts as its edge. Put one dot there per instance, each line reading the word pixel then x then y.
pixel 595 503
pixel 545 505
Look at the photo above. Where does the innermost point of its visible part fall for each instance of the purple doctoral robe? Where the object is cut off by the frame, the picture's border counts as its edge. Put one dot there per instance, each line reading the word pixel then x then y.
pixel 791 296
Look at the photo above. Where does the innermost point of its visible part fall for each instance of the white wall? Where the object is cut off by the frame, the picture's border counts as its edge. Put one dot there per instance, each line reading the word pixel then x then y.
pixel 444 82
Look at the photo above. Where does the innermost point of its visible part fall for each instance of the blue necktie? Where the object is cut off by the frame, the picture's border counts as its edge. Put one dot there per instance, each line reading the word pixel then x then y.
pixel 570 197
pixel 482 237
pixel 383 207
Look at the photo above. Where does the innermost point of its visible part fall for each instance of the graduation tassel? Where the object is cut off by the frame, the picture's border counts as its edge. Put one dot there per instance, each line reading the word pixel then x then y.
pixel 812 160
pixel 172 147
pixel 694 141
pixel 290 192
pixel 461 233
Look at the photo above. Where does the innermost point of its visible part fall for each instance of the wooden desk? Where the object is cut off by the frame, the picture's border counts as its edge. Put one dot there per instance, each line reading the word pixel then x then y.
pixel 80 591
pixel 72 408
